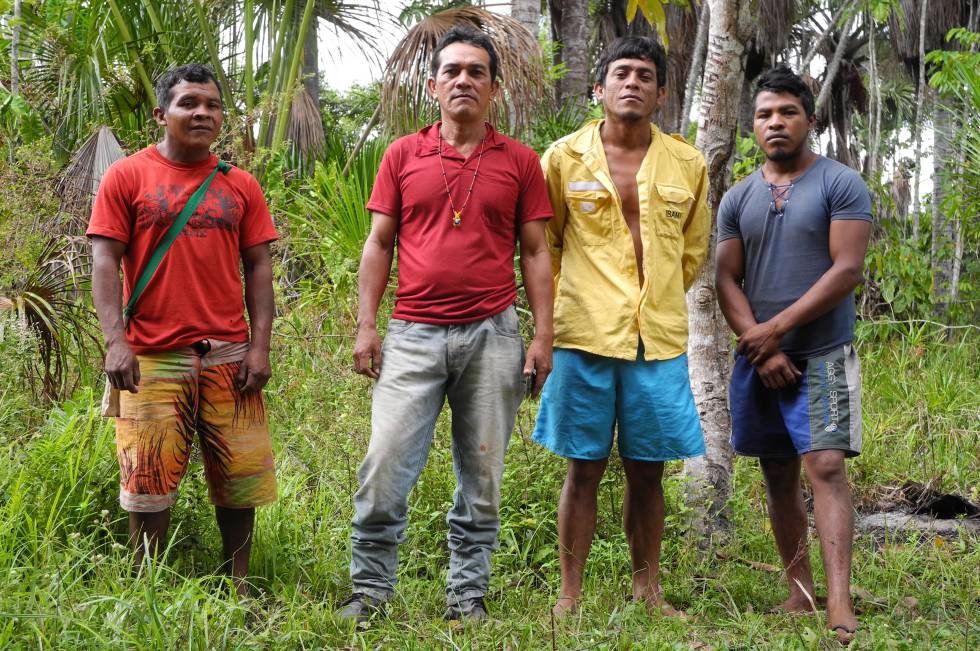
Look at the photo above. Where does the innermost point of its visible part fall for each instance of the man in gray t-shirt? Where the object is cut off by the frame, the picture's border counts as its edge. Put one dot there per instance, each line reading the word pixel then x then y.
pixel 791 244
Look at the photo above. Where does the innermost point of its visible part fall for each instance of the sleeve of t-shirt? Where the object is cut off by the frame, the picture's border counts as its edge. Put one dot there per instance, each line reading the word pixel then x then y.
pixel 112 209
pixel 728 218
pixel 533 202
pixel 256 225
pixel 386 196
pixel 849 197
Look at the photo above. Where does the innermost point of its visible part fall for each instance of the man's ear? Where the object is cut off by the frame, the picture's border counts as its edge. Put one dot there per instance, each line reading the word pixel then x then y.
pixel 159 116
pixel 598 90
pixel 661 95
pixel 430 85
pixel 494 88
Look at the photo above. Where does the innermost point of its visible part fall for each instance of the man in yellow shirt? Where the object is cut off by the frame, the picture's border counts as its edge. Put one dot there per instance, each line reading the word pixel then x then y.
pixel 629 235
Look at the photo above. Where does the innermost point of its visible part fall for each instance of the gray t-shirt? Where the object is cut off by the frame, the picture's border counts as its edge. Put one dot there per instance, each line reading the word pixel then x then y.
pixel 786 254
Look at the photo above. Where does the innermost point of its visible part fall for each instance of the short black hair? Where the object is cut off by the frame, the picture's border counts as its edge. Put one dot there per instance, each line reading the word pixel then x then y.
pixel 464 34
pixel 783 80
pixel 193 72
pixel 634 47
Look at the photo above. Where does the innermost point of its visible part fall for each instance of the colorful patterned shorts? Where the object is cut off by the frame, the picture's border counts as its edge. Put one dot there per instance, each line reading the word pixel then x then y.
pixel 186 393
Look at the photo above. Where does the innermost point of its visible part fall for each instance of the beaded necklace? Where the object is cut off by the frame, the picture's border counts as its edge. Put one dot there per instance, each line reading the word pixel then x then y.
pixel 457 214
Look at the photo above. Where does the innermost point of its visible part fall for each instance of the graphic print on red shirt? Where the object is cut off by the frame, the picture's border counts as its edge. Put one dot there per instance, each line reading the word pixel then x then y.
pixel 196 292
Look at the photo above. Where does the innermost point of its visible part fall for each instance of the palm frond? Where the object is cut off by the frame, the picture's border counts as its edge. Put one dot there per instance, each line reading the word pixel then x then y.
pixel 305 129
pixel 80 180
pixel 405 103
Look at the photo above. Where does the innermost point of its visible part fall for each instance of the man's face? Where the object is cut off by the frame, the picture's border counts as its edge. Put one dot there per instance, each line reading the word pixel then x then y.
pixel 630 90
pixel 781 125
pixel 195 114
pixel 462 85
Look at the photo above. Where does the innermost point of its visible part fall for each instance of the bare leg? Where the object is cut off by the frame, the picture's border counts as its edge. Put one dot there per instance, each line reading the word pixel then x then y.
pixel 236 542
pixel 789 526
pixel 147 533
pixel 834 516
pixel 643 519
pixel 576 527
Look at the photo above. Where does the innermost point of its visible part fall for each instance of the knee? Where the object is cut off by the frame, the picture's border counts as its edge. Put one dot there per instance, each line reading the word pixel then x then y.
pixel 584 476
pixel 826 469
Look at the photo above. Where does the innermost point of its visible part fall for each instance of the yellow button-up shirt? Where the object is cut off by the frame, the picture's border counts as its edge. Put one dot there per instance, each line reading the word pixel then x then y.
pixel 600 306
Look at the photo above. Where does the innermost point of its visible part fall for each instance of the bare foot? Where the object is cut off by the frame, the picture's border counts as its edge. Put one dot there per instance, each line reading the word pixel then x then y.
pixel 656 603
pixel 797 605
pixel 565 606
pixel 843 623
pixel 844 634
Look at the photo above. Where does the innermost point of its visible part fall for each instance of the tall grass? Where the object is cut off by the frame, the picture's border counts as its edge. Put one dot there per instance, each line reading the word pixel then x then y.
pixel 67 581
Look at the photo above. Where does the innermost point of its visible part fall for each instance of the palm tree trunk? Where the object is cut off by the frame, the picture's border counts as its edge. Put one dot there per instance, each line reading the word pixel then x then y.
pixel 311 63
pixel 528 13
pixel 696 72
pixel 15 51
pixel 942 226
pixel 249 11
pixel 875 81
pixel 286 98
pixel 831 75
pixel 574 33
pixel 920 97
pixel 730 26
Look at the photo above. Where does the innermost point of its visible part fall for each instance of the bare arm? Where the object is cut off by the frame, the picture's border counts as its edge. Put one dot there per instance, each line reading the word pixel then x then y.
pixel 536 269
pixel 848 245
pixel 120 363
pixel 372 278
pixel 729 272
pixel 256 370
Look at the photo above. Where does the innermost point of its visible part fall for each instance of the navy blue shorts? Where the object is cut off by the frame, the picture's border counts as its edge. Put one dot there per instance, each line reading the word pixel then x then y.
pixel 821 412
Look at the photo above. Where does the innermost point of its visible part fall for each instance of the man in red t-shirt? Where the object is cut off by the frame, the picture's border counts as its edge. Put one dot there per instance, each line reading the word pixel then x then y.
pixel 459 196
pixel 183 362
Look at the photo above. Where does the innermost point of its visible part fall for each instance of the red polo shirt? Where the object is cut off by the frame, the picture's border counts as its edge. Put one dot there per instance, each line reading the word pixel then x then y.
pixel 457 274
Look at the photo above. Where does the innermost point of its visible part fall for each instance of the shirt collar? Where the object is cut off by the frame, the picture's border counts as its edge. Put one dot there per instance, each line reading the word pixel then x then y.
pixel 427 141
pixel 588 139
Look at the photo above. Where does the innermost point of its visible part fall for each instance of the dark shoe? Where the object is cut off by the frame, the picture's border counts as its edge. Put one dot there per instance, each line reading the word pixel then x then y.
pixel 470 610
pixel 359 608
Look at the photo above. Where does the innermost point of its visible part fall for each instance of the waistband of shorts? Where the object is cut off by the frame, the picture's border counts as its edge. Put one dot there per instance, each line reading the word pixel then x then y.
pixel 213 352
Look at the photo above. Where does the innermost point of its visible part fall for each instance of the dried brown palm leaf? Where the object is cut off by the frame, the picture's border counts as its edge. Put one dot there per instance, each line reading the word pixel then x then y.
pixel 405 103
pixel 84 171
pixel 776 18
pixel 941 16
pixel 305 128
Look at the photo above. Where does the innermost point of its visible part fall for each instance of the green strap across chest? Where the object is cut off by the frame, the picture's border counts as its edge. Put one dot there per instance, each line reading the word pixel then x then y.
pixel 169 238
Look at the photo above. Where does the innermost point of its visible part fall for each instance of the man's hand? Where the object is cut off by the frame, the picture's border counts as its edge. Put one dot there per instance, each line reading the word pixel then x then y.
pixel 121 367
pixel 778 371
pixel 367 352
pixel 538 359
pixel 254 372
pixel 759 343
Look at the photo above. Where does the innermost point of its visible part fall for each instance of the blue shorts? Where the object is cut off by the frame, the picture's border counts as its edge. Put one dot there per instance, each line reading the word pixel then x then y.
pixel 650 404
pixel 821 412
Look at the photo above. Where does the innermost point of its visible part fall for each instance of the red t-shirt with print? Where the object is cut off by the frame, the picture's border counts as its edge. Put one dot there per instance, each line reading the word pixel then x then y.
pixel 457 274
pixel 196 292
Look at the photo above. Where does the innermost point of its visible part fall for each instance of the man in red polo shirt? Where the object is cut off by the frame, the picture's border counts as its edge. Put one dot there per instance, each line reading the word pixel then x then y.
pixel 458 196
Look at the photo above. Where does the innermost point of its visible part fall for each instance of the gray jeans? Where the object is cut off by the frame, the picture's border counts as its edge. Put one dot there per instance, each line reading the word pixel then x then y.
pixel 477 366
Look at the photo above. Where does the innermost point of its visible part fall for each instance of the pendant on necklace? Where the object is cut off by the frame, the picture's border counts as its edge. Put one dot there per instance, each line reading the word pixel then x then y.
pixel 456 218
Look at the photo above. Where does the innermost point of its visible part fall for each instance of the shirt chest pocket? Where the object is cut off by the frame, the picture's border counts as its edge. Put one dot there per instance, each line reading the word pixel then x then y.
pixel 671 210
pixel 591 215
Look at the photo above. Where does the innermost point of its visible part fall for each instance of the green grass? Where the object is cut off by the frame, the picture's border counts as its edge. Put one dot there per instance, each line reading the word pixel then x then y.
pixel 66 582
